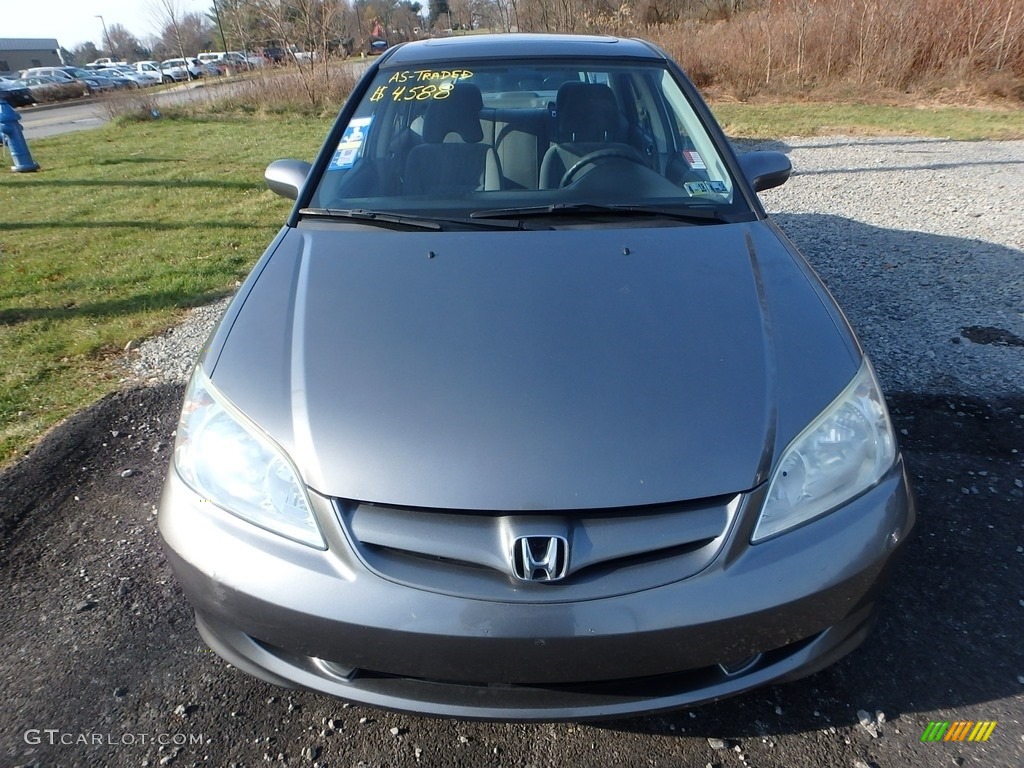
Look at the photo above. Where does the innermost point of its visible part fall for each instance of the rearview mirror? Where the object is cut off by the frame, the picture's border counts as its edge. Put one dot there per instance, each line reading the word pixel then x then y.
pixel 286 177
pixel 765 170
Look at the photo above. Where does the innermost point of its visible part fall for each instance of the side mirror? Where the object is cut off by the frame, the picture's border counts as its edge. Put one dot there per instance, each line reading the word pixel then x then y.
pixel 286 177
pixel 765 170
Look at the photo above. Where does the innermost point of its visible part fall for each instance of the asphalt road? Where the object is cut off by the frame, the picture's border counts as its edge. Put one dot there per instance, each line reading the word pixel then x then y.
pixel 103 667
pixel 53 119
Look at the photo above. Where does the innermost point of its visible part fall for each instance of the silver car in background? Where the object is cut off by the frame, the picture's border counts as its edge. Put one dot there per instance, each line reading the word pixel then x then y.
pixel 529 412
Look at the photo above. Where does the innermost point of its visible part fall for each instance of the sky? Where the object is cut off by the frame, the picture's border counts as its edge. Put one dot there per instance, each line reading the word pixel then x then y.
pixel 74 22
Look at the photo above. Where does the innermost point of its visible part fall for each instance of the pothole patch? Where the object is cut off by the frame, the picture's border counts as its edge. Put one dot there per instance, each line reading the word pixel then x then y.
pixel 984 334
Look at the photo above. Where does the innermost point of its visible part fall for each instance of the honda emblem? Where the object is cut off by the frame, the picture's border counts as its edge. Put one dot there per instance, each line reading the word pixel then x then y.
pixel 540 558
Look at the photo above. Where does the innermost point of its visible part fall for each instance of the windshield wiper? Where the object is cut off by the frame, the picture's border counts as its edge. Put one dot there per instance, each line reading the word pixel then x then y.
pixel 410 221
pixel 691 215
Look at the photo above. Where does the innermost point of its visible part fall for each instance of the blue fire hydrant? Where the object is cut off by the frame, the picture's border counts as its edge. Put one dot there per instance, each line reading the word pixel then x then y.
pixel 10 132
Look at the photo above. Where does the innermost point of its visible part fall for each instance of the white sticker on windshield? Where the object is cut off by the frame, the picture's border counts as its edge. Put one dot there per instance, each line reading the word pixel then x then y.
pixel 348 148
pixel 705 188
pixel 692 156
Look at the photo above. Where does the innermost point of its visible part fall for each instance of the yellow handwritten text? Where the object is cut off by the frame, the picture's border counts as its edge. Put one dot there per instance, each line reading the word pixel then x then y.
pixel 421 92
pixel 427 75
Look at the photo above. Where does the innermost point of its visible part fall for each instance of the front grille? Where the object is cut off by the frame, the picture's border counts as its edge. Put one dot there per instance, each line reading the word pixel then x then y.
pixel 470 553
pixel 641 687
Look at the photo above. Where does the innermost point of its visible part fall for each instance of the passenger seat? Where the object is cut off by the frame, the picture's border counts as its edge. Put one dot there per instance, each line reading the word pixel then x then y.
pixel 453 160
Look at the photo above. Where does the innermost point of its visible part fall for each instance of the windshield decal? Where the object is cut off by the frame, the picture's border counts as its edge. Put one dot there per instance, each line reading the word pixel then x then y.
pixel 693 157
pixel 351 141
pixel 695 188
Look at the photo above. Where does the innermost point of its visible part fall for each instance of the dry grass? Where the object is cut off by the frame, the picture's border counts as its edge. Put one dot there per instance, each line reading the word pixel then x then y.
pixel 313 90
pixel 743 48
pixel 132 105
pixel 875 49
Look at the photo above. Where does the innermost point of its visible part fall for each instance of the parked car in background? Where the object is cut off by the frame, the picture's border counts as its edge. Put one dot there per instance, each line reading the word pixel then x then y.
pixel 274 54
pixel 96 82
pixel 182 69
pixel 93 83
pixel 579 434
pixel 47 88
pixel 239 61
pixel 106 61
pixel 304 56
pixel 225 61
pixel 378 47
pixel 58 73
pixel 118 79
pixel 14 94
pixel 153 68
pixel 253 59
pixel 142 79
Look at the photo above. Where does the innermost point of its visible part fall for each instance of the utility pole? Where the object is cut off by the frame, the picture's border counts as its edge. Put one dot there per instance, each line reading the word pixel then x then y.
pixel 107 37
pixel 110 48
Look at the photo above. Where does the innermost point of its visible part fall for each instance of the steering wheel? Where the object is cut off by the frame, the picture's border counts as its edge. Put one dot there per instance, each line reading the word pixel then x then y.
pixel 602 154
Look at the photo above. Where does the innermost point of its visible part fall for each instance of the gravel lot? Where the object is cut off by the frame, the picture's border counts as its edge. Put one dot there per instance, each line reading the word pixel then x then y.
pixel 920 240
pixel 923 244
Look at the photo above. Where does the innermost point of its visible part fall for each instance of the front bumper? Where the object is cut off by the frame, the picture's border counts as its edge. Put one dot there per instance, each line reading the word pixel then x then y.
pixel 300 617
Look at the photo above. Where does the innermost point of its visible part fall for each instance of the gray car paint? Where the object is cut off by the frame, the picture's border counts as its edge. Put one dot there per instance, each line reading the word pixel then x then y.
pixel 328 620
pixel 533 370
pixel 326 605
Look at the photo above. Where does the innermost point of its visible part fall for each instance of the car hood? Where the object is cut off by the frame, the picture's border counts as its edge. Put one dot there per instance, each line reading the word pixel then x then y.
pixel 539 371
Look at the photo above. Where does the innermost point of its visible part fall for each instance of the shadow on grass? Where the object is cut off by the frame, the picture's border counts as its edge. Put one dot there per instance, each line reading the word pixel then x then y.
pixel 120 160
pixel 122 306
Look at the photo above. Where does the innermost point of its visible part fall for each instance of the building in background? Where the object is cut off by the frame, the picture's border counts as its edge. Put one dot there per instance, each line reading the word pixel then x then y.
pixel 21 53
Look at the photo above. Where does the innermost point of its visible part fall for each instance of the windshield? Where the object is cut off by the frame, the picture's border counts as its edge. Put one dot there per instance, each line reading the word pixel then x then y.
pixel 494 137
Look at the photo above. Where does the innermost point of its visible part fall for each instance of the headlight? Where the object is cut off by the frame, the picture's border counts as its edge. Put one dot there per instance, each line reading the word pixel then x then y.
pixel 844 451
pixel 225 458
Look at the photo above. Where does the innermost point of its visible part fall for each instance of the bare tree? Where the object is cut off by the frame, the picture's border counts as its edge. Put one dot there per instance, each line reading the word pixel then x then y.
pixel 503 15
pixel 123 44
pixel 461 13
pixel 169 16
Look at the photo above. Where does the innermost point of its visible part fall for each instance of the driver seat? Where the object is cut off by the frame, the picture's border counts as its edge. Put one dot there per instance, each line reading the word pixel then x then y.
pixel 587 120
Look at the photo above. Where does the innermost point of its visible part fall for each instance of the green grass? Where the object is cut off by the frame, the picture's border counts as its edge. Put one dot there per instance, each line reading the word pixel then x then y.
pixel 127 226
pixel 773 121
pixel 121 231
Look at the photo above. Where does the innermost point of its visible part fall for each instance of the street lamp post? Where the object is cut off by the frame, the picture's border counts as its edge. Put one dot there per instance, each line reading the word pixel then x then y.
pixel 106 37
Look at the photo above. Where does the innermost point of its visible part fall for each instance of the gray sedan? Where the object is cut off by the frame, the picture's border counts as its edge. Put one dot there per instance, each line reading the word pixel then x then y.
pixel 529 411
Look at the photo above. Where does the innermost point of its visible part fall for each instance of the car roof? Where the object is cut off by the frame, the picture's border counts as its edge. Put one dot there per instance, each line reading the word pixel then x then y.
pixel 444 49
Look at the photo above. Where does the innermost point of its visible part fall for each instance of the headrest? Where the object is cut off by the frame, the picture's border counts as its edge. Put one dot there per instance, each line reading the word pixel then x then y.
pixel 588 112
pixel 459 113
